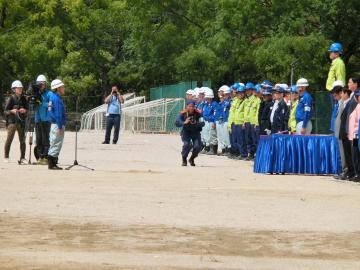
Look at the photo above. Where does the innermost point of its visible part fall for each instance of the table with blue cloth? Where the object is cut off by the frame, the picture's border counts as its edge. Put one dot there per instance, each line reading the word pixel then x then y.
pixel 296 154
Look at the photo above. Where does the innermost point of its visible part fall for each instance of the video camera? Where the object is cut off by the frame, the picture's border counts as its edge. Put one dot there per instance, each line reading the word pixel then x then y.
pixel 33 93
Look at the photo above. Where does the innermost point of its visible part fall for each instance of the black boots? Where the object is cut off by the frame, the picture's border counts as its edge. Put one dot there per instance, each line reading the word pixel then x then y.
pixel 53 163
pixel 213 150
pixel 184 162
pixel 192 160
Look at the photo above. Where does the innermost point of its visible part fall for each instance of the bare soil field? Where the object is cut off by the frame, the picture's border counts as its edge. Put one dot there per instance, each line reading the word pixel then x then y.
pixel 141 210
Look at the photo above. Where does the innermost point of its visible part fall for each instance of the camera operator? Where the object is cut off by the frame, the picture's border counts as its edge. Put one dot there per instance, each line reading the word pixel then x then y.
pixel 42 124
pixel 16 109
pixel 189 121
pixel 113 114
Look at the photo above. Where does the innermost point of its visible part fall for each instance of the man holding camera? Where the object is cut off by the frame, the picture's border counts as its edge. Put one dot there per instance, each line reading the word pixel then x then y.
pixel 42 124
pixel 113 114
pixel 189 121
pixel 16 109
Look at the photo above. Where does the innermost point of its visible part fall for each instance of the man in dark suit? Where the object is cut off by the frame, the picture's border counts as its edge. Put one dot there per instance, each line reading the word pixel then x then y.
pixel 349 104
pixel 279 112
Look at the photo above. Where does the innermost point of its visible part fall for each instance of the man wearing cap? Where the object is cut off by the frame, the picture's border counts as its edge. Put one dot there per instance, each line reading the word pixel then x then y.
pixel 279 111
pixel 221 118
pixel 251 110
pixel 42 124
pixel 239 125
pixel 190 122
pixel 294 103
pixel 304 109
pixel 209 131
pixel 16 109
pixel 264 112
pixel 190 94
pixel 337 70
pixel 56 113
pixel 231 123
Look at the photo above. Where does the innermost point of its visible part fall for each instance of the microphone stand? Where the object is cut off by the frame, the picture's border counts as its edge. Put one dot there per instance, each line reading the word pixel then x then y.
pixel 76 163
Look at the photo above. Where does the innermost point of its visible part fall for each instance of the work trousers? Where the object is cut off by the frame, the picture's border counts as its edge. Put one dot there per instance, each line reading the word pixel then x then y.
pixel 11 130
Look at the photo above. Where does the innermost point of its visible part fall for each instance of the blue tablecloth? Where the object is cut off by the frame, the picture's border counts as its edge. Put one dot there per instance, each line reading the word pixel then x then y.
pixel 296 154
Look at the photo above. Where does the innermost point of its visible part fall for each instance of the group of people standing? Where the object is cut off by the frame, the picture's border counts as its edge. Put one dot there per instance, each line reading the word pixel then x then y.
pixel 233 126
pixel 49 119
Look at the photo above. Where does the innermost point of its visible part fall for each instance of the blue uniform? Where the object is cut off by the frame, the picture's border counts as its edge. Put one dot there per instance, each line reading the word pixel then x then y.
pixel 223 110
pixel 58 119
pixel 199 106
pixel 57 111
pixel 222 117
pixel 209 111
pixel 304 112
pixel 41 113
pixel 209 131
pixel 190 133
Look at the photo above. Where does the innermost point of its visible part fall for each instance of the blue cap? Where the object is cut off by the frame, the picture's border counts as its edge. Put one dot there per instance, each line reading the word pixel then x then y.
pixel 336 47
pixel 190 102
pixel 258 87
pixel 241 89
pixel 266 84
pixel 266 92
pixel 279 89
pixel 249 86
pixel 294 89
pixel 235 86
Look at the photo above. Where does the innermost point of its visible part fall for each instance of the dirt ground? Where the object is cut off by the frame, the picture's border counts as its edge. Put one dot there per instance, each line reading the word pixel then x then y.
pixel 141 210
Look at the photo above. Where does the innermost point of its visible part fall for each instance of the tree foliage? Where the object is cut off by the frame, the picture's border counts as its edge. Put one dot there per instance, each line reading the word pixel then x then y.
pixel 93 43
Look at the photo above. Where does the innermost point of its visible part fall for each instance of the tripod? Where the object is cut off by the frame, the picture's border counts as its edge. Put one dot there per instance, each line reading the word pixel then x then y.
pixel 29 128
pixel 76 163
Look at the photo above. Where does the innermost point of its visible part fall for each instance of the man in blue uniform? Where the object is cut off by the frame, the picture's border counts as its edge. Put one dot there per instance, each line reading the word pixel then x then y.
pixel 189 120
pixel 221 117
pixel 304 109
pixel 58 119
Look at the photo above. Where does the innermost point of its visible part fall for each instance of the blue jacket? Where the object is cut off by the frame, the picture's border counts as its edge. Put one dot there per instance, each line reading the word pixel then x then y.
pixel 57 110
pixel 333 116
pixel 304 109
pixel 209 111
pixel 41 113
pixel 223 110
pixel 200 106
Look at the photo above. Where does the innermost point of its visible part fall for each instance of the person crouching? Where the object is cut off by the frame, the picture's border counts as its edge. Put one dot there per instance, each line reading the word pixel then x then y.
pixel 58 119
pixel 189 120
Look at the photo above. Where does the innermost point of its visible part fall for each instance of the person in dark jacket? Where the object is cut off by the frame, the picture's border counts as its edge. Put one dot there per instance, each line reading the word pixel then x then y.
pixel 189 120
pixel 265 112
pixel 348 171
pixel 279 112
pixel 16 109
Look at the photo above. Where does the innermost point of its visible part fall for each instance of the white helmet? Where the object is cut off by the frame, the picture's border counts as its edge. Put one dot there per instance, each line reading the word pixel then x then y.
pixel 337 83
pixel 209 93
pixel 16 84
pixel 55 84
pixel 225 89
pixel 196 91
pixel 202 90
pixel 41 79
pixel 302 82
pixel 190 92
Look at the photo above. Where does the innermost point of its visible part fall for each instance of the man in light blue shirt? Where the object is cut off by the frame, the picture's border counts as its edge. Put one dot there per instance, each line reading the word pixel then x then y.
pixel 113 115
